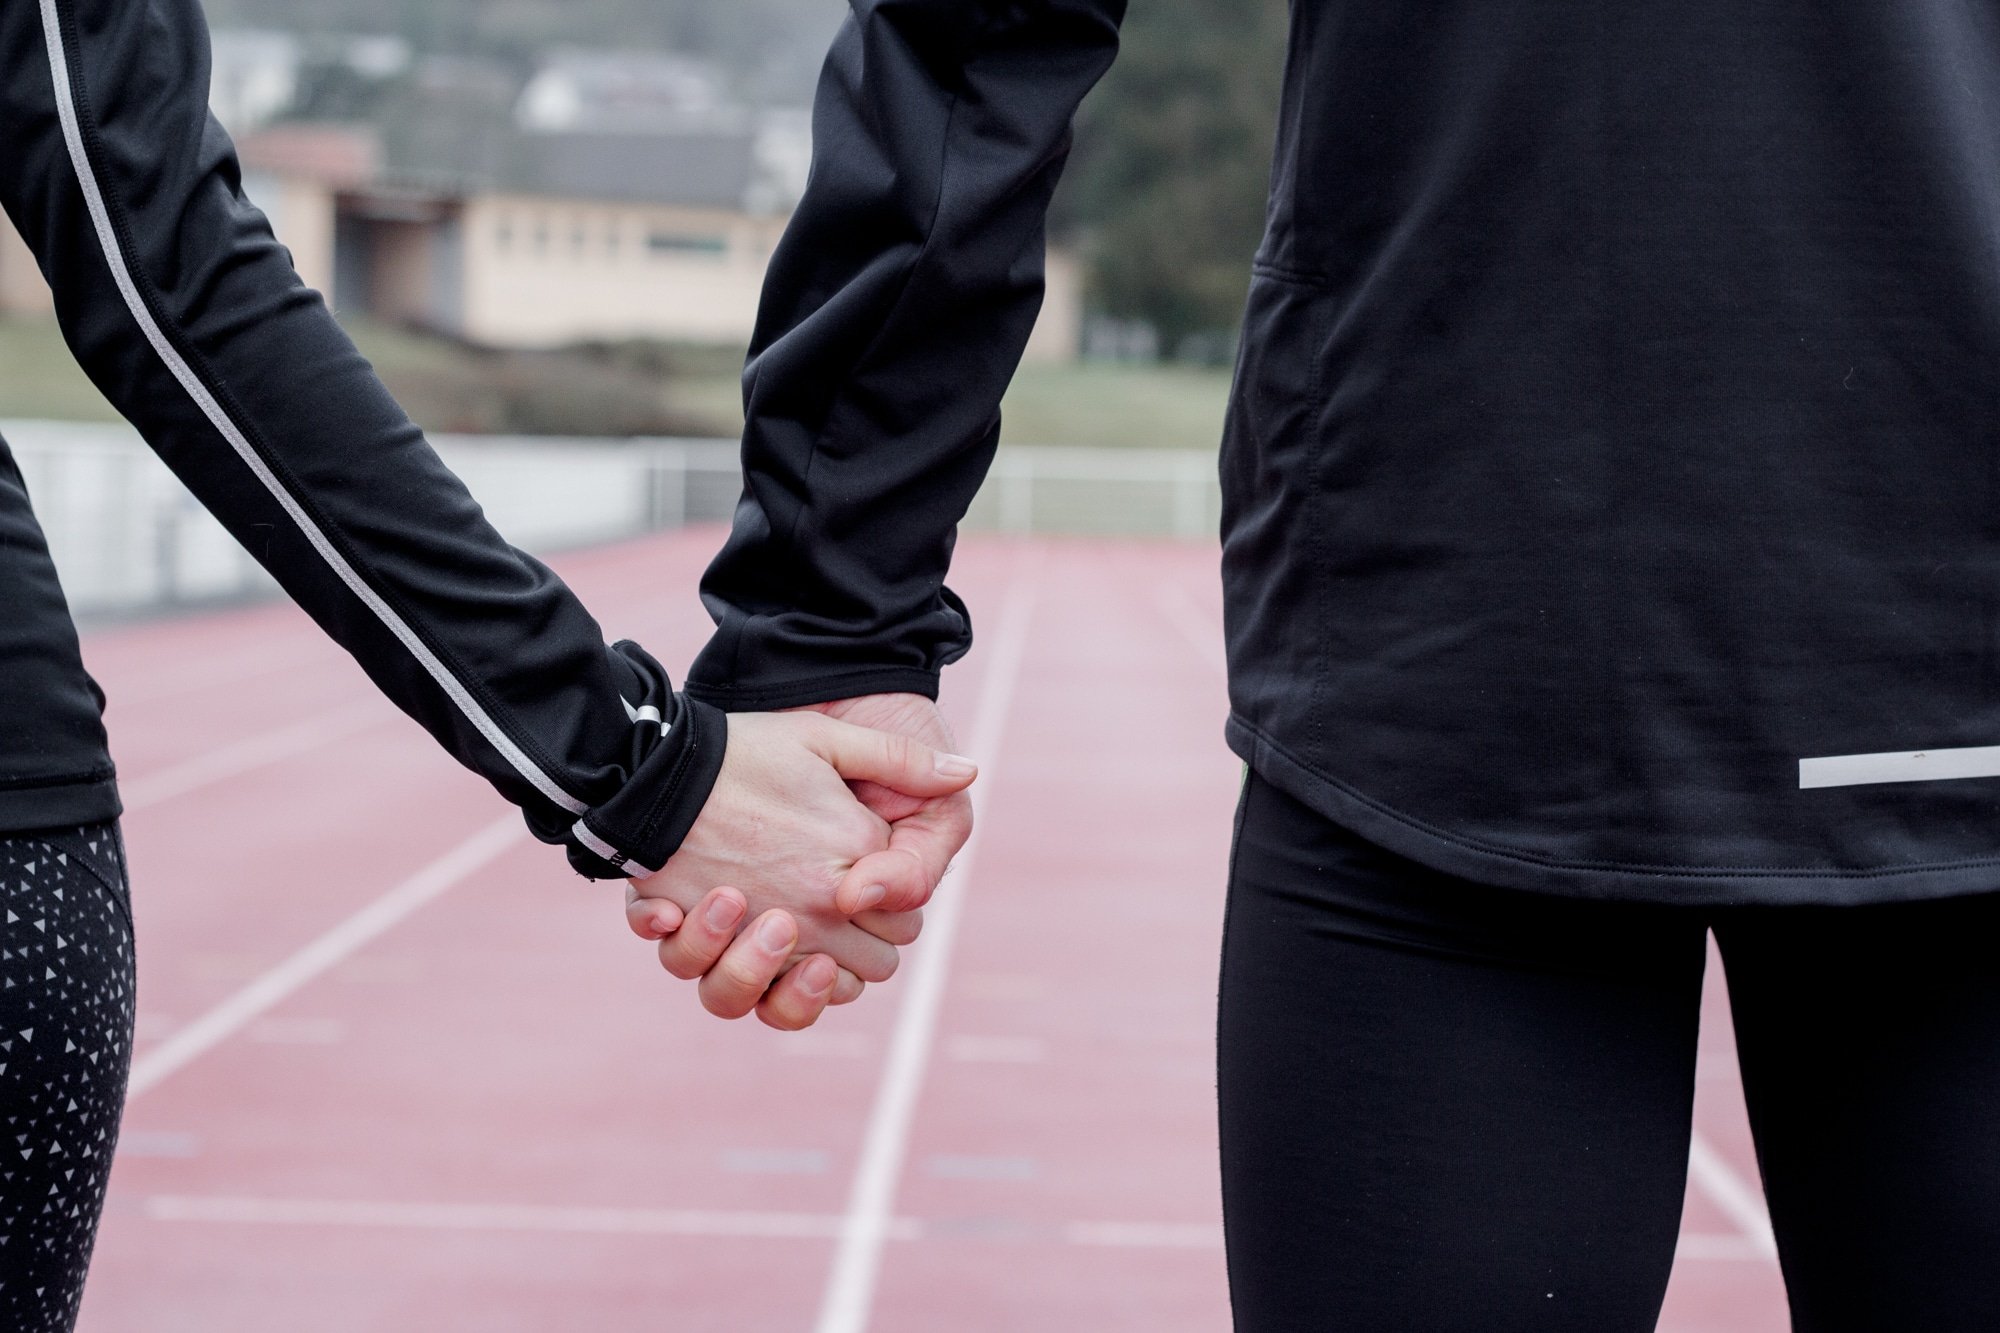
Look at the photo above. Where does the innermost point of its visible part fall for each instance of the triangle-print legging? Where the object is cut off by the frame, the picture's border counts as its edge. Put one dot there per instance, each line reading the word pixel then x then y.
pixel 66 996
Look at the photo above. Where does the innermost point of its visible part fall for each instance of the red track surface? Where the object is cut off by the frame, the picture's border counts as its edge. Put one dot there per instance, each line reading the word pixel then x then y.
pixel 499 1114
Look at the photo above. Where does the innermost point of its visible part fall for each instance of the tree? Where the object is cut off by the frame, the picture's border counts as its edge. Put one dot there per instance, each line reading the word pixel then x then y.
pixel 1165 191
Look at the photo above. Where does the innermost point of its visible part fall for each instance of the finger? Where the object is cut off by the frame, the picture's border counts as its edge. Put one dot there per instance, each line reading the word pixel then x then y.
pixel 864 954
pixel 707 931
pixel 906 873
pixel 898 928
pixel 897 762
pixel 732 987
pixel 847 988
pixel 892 880
pixel 650 918
pixel 797 999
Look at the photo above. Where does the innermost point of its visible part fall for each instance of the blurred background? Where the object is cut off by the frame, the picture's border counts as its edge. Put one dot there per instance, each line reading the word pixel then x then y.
pixel 396 1069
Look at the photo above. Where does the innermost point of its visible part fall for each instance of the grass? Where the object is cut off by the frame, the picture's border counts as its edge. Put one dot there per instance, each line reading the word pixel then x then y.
pixel 653 389
pixel 1118 406
pixel 39 378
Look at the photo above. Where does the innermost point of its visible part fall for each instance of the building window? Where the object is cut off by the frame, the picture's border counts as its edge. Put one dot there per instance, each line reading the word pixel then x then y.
pixel 663 243
pixel 503 233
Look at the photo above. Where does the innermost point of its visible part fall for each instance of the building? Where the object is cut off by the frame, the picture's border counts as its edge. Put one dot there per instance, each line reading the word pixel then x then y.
pixel 614 197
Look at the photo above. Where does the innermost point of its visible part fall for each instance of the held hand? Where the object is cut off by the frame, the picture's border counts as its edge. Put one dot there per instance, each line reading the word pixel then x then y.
pixel 926 831
pixel 783 828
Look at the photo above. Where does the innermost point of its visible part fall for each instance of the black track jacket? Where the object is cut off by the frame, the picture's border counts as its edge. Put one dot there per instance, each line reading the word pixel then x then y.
pixel 1612 479
pixel 186 313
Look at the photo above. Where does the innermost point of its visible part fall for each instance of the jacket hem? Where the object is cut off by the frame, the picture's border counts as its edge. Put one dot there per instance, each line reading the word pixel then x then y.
pixel 59 805
pixel 1674 885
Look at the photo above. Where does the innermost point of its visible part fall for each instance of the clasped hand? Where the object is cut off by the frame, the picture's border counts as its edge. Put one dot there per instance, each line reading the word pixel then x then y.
pixel 827 831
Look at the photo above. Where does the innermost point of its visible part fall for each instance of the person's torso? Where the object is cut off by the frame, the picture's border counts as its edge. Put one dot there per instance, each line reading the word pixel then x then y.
pixel 1616 428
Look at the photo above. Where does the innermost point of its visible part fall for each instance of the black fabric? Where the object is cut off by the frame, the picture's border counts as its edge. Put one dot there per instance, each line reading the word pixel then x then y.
pixel 1614 425
pixel 1446 1106
pixel 508 638
pixel 66 1008
pixel 894 313
pixel 54 768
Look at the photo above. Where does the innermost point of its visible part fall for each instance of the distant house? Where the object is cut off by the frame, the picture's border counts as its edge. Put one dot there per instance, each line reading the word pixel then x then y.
pixel 614 197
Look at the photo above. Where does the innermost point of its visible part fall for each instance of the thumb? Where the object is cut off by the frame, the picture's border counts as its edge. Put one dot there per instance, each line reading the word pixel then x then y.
pixel 896 762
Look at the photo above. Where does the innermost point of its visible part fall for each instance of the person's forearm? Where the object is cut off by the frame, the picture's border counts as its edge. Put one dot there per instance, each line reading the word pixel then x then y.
pixel 185 311
pixel 893 316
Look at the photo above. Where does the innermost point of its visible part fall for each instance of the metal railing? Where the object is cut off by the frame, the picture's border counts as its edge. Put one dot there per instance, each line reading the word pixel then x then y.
pixel 126 536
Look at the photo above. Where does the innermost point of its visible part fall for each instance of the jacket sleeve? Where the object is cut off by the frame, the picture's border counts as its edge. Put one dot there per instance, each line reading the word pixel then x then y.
pixel 894 313
pixel 185 311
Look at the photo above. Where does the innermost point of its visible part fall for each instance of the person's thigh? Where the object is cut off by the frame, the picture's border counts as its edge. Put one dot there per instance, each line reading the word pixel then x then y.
pixel 1445 1106
pixel 1869 1039
pixel 65 1045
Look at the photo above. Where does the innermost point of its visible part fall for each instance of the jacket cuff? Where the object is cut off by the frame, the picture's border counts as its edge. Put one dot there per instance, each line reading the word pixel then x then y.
pixel 818 689
pixel 634 833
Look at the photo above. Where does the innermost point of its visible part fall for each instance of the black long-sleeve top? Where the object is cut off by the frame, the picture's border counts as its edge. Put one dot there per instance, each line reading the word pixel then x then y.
pixel 186 313
pixel 1612 476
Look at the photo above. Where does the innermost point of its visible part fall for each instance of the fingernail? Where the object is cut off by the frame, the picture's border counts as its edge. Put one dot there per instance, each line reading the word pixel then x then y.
pixel 724 912
pixel 955 766
pixel 817 978
pixel 775 933
pixel 870 896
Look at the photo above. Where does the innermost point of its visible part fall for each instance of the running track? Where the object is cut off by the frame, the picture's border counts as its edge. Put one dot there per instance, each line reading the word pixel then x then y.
pixel 399 1070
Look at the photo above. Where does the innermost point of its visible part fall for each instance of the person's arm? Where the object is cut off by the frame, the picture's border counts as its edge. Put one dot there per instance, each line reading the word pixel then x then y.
pixel 894 314
pixel 185 311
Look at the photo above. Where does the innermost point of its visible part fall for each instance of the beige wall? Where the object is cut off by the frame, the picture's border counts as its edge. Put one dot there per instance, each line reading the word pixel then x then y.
pixel 301 216
pixel 542 272
pixel 1058 335
pixel 22 290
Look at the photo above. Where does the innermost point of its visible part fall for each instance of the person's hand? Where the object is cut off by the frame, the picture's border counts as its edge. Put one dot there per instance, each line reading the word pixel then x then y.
pixel 783 831
pixel 926 831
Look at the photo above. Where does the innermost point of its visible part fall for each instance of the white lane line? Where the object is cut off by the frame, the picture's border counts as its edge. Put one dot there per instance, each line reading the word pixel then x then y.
pixel 857 1260
pixel 1203 634
pixel 252 753
pixel 244 1210
pixel 503 1217
pixel 226 1019
pixel 1697 1246
pixel 1740 1201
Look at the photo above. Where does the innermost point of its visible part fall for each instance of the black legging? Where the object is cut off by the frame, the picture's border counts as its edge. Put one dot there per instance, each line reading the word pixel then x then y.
pixel 65 1045
pixel 1446 1106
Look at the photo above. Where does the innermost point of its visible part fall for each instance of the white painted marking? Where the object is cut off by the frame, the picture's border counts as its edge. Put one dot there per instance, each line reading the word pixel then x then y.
pixel 857 1261
pixel 239 443
pixel 252 753
pixel 1695 1245
pixel 996 1050
pixel 1741 1202
pixel 157 1143
pixel 504 1217
pixel 1145 1235
pixel 956 1166
pixel 775 1161
pixel 1202 634
pixel 222 1022
pixel 1856 770
pixel 245 1210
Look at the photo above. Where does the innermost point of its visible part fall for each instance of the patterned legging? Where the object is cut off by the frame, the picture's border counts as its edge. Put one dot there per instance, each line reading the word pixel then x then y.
pixel 66 992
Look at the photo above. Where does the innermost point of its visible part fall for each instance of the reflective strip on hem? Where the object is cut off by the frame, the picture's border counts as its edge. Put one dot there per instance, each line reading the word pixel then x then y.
pixel 1855 770
pixel 121 276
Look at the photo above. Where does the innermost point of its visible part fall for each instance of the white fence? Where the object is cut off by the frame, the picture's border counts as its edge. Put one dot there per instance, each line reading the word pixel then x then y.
pixel 126 535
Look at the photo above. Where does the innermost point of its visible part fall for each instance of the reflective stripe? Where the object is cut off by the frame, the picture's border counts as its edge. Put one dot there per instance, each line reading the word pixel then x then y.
pixel 107 239
pixel 1855 770
pixel 598 846
pixel 645 713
